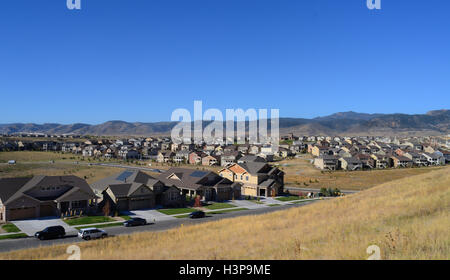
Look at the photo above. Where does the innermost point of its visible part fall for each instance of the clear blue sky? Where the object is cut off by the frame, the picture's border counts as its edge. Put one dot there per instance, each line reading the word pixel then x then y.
pixel 139 60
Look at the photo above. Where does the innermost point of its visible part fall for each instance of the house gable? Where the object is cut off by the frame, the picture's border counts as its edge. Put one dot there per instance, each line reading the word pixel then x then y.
pixel 23 201
pixel 140 191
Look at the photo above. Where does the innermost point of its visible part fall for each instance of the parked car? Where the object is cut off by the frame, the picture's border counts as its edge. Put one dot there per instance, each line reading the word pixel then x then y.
pixel 50 233
pixel 11 162
pixel 92 233
pixel 197 214
pixel 135 222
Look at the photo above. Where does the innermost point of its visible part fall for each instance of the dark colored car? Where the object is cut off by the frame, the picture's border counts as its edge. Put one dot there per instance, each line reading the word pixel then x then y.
pixel 197 214
pixel 135 222
pixel 50 233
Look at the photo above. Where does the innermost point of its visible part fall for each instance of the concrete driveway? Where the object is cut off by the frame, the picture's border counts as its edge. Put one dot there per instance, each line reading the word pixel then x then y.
pixel 30 227
pixel 150 215
pixel 246 204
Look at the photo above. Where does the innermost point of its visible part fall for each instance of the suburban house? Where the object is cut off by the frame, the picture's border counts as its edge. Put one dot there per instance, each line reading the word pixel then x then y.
pixel 400 161
pixel 196 157
pixel 351 163
pixel 209 160
pixel 285 152
pixel 134 190
pixel 181 156
pixel 446 156
pixel 253 150
pixel 319 150
pixel 42 196
pixel 381 161
pixel 366 160
pixel 165 156
pixel 251 158
pixel 257 178
pixel 207 184
pixel 417 159
pixel 229 157
pixel 434 159
pixel 326 162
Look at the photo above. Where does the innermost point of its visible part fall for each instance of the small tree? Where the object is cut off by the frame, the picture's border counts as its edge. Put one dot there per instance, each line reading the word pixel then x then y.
pixel 197 202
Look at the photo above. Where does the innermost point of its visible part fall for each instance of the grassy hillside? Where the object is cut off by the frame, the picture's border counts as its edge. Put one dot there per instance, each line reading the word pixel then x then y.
pixel 408 219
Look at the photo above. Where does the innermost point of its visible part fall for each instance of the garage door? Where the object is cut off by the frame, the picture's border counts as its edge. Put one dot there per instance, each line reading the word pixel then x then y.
pixel 47 210
pixel 22 213
pixel 141 204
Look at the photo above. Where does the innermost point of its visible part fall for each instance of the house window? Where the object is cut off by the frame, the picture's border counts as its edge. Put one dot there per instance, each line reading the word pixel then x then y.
pixel 77 204
pixel 246 178
pixel 173 196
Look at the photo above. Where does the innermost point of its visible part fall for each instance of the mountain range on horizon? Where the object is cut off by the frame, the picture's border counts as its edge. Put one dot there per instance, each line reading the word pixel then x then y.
pixel 435 122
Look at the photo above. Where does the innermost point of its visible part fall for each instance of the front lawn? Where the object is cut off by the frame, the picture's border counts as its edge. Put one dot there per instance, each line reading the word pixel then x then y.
pixel 174 211
pixel 182 216
pixel 10 228
pixel 125 217
pixel 219 205
pixel 13 236
pixel 288 198
pixel 88 220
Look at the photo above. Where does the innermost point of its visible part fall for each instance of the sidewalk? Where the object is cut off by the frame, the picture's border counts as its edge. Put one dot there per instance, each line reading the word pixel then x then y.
pixel 98 224
pixel 10 233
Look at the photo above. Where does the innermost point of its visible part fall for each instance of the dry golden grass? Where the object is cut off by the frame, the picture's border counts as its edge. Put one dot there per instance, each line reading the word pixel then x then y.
pixel 34 139
pixel 32 156
pixel 407 218
pixel 38 163
pixel 301 173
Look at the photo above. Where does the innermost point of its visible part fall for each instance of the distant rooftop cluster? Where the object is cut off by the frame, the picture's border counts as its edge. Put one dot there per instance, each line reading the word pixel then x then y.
pixel 359 153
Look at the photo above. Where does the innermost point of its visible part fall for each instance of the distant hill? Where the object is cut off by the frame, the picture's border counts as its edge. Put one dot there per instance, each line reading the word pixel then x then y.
pixel 348 123
pixel 349 116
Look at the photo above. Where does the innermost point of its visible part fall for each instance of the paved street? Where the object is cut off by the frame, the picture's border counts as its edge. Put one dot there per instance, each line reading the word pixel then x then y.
pixel 23 243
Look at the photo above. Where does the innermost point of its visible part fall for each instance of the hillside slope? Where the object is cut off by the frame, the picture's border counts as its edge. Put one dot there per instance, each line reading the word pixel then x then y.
pixel 349 123
pixel 407 218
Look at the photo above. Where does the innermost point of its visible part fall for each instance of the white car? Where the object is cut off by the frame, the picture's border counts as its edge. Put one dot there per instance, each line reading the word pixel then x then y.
pixel 92 233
